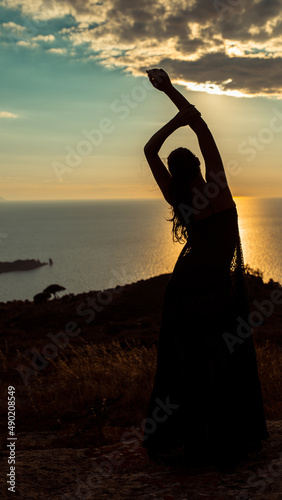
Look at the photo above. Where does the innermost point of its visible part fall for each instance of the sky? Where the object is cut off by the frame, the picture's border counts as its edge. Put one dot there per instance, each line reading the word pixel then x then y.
pixel 76 107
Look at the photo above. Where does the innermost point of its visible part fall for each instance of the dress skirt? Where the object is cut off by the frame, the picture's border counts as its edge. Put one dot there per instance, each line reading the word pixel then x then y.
pixel 206 397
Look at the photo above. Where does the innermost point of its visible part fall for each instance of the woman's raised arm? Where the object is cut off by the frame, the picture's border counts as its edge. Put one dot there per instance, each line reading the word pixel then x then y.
pixel 213 163
pixel 161 81
pixel 151 149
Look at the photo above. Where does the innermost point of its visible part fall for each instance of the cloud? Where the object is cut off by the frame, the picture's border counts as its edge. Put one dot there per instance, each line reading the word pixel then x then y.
pixel 249 76
pixel 57 51
pixel 44 38
pixel 13 27
pixel 234 46
pixel 39 9
pixel 29 44
pixel 7 114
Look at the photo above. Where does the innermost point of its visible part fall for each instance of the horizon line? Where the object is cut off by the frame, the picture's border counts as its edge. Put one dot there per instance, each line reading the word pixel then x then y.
pixel 117 199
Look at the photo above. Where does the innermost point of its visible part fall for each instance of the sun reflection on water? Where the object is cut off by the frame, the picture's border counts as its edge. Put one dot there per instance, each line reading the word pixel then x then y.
pixel 260 224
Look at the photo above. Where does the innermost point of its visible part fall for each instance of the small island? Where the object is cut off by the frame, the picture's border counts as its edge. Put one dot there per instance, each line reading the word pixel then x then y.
pixel 20 265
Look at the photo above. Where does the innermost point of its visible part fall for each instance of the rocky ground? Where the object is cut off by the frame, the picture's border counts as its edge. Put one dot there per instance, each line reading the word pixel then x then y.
pixel 123 472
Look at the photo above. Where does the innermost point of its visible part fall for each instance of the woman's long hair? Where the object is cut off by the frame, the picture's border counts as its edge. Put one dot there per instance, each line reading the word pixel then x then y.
pixel 184 167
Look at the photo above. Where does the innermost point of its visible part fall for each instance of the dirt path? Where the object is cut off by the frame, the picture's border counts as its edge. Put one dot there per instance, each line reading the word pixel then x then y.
pixel 123 471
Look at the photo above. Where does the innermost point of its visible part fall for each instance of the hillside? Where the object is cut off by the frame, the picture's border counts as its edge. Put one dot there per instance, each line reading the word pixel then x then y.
pixel 82 367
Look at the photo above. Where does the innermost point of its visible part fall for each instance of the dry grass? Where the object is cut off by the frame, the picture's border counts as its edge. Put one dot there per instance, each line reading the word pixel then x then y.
pixel 108 380
pixel 269 358
pixel 116 381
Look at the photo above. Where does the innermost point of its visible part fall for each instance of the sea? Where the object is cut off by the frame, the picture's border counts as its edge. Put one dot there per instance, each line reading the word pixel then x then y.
pixel 98 244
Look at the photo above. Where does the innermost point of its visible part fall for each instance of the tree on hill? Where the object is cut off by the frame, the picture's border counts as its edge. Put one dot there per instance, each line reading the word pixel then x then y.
pixel 54 289
pixel 42 297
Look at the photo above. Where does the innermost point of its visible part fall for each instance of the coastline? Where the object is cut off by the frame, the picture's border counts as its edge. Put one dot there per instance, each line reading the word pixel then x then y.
pixel 141 298
pixel 82 268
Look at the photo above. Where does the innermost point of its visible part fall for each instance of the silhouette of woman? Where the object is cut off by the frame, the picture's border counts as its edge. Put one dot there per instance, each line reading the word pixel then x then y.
pixel 206 403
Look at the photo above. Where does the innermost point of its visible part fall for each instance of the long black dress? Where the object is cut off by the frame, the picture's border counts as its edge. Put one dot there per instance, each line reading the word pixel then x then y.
pixel 207 395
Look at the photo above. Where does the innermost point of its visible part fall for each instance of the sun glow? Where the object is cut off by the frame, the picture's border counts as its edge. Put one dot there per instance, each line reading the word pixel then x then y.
pixel 211 88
